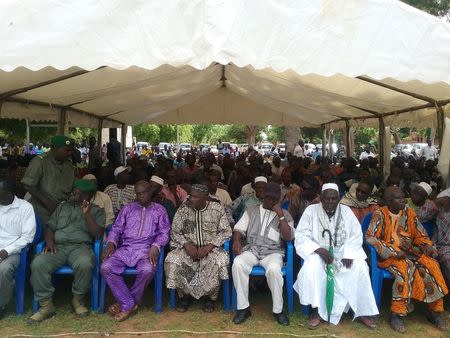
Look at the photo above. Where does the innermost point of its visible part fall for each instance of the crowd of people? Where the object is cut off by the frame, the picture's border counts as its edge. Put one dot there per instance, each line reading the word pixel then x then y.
pixel 196 202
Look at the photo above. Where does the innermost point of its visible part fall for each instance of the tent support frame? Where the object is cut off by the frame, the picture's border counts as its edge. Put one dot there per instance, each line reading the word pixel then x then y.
pixel 99 138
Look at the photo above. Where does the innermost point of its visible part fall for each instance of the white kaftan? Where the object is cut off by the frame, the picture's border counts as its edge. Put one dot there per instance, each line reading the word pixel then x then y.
pixel 352 288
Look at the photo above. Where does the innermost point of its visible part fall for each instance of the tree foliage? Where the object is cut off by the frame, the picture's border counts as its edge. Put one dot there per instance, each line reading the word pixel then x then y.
pixel 14 130
pixel 366 135
pixel 434 7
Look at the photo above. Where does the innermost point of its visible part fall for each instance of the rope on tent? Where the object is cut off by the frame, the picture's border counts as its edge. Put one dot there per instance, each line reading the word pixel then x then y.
pixel 107 334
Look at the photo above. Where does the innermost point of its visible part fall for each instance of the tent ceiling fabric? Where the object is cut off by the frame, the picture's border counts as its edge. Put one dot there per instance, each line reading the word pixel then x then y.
pixel 162 61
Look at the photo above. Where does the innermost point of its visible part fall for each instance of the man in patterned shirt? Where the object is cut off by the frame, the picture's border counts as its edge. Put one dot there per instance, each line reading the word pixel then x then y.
pixel 121 193
pixel 405 250
pixel 197 261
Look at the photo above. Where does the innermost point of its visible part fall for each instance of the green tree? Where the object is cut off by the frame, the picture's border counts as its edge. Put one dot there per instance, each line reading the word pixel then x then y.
pixel 184 133
pixel 366 135
pixel 275 134
pixel 146 133
pixel 312 135
pixel 435 7
pixel 167 133
pixel 201 132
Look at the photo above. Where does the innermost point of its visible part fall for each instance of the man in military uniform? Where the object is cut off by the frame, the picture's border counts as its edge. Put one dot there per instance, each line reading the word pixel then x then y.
pixel 49 178
pixel 69 235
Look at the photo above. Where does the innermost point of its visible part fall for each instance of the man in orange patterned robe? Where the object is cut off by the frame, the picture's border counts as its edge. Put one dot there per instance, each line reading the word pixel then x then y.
pixel 406 251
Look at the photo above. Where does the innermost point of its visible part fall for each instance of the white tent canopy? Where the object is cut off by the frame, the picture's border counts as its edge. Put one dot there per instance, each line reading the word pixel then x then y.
pixel 298 62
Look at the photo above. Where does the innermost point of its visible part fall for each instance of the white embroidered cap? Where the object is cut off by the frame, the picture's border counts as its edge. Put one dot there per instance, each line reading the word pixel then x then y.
pixel 260 179
pixel 425 186
pixel 120 169
pixel 157 179
pixel 332 186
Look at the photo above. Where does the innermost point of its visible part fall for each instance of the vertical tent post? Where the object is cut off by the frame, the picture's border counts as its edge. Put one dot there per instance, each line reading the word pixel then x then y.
pixel 99 138
pixel 324 141
pixel 330 143
pixel 63 128
pixel 347 139
pixel 384 140
pixel 352 141
pixel 381 140
pixel 27 122
pixel 123 139
pixel 440 123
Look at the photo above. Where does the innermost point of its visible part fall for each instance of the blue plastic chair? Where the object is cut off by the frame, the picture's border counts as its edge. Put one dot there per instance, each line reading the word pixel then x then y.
pixel 377 274
pixel 158 284
pixel 225 287
pixel 22 269
pixel 429 227
pixel 67 270
pixel 288 272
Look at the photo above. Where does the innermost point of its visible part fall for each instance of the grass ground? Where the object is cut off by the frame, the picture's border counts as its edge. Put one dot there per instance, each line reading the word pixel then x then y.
pixel 196 320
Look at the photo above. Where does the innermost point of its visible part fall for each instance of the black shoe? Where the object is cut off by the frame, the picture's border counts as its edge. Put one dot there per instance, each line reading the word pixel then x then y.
pixel 397 324
pixel 183 304
pixel 281 318
pixel 242 315
pixel 437 319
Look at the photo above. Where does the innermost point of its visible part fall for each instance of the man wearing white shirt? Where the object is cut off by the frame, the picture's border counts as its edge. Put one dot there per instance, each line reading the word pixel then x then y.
pixel 366 154
pixel 265 227
pixel 17 229
pixel 429 151
pixel 351 278
pixel 298 150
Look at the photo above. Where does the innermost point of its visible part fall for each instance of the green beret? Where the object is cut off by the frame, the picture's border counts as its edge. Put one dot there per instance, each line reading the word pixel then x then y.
pixel 60 141
pixel 85 185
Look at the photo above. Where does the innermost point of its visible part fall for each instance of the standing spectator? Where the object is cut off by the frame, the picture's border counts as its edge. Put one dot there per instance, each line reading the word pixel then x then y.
pixel 93 153
pixel 49 178
pixel 113 151
pixel 298 150
pixel 366 154
pixel 429 151
pixel 220 147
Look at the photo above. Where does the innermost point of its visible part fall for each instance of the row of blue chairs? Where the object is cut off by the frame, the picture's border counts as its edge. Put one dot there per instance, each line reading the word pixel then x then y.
pixel 98 289
pixel 99 285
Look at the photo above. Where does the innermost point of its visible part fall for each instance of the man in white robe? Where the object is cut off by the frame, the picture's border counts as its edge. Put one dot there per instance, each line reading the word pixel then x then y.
pixel 352 288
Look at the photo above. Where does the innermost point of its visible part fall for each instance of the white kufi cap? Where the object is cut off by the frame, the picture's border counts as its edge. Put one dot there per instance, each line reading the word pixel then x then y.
pixel 157 179
pixel 260 179
pixel 332 186
pixel 425 186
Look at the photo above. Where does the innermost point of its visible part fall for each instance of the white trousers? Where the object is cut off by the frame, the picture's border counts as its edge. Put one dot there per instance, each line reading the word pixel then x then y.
pixel 242 266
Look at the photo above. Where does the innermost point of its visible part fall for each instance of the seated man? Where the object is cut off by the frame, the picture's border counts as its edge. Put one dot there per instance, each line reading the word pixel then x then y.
pixel 172 191
pixel 69 236
pixel 140 231
pixel 216 192
pixel 197 262
pixel 361 202
pixel 157 184
pixel 239 205
pixel 17 229
pixel 122 192
pixel 406 251
pixel 266 227
pixel 425 209
pixel 102 200
pixel 442 232
pixel 352 282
